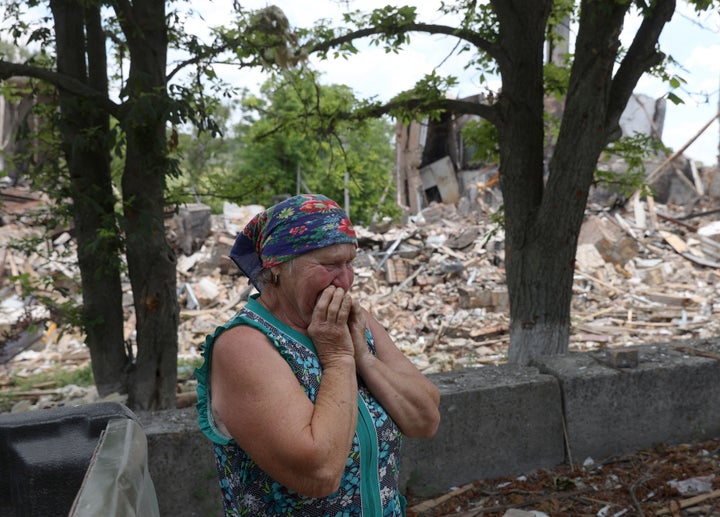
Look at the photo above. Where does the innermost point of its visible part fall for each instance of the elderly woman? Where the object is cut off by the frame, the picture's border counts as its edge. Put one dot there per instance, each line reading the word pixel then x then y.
pixel 303 393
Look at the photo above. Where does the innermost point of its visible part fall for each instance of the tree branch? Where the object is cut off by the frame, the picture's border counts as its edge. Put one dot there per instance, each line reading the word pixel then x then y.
pixel 124 13
pixel 211 52
pixel 60 81
pixel 463 34
pixel 422 105
pixel 641 56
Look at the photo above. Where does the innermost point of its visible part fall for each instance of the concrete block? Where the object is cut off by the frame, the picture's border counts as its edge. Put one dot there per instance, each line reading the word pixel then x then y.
pixel 496 420
pixel 671 396
pixel 182 464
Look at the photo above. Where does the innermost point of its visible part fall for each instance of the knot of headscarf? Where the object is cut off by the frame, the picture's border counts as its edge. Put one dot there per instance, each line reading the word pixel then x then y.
pixel 290 228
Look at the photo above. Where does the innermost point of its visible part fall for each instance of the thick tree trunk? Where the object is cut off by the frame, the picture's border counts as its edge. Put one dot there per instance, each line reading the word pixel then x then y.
pixel 151 261
pixel 537 313
pixel 543 220
pixel 85 145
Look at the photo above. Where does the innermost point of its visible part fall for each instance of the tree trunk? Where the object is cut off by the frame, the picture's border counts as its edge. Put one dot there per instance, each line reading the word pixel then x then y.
pixel 151 261
pixel 539 298
pixel 84 131
pixel 543 221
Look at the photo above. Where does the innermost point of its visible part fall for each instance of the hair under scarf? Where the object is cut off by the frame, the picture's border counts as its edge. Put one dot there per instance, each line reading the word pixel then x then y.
pixel 290 228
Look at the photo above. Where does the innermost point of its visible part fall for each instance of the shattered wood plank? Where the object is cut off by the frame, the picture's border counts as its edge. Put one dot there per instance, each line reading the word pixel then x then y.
pixel 612 289
pixel 702 261
pixel 676 300
pixel 488 332
pixel 668 314
pixel 675 242
pixel 692 501
pixel 403 235
pixel 639 212
pixel 658 324
pixel 681 247
pixel 603 312
pixel 452 253
pixel 625 225
pixel 652 214
pixel 597 338
pixel 652 176
pixel 433 503
pixel 600 329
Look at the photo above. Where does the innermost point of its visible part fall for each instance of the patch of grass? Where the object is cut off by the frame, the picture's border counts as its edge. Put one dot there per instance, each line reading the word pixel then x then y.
pixel 54 378
pixel 186 367
pixel 62 376
pixel 6 402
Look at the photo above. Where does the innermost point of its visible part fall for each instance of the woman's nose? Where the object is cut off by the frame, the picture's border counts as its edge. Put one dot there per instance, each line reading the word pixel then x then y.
pixel 344 278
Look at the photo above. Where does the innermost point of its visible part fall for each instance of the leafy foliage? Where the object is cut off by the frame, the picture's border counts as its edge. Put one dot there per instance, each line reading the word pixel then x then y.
pixel 418 102
pixel 635 150
pixel 481 136
pixel 296 136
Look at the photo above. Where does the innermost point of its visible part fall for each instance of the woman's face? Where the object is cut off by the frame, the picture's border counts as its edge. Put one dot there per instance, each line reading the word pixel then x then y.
pixel 308 275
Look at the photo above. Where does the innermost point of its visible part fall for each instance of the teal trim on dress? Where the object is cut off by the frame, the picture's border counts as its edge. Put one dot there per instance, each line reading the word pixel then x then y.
pixel 369 480
pixel 202 374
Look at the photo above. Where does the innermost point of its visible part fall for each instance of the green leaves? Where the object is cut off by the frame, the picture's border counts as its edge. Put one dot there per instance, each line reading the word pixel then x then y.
pixel 419 102
pixel 298 135
pixel 556 79
pixel 635 150
pixel 481 138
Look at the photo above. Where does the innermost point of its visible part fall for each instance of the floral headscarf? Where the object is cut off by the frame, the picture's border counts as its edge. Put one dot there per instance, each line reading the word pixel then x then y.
pixel 290 228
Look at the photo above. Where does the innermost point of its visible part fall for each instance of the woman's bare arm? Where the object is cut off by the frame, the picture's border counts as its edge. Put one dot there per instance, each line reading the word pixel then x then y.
pixel 407 395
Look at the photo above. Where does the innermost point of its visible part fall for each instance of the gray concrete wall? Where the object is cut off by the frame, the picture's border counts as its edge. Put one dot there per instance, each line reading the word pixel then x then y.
pixel 494 421
pixel 499 420
pixel 670 397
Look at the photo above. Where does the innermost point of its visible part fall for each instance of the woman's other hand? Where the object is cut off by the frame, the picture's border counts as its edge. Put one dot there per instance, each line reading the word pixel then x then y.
pixel 358 326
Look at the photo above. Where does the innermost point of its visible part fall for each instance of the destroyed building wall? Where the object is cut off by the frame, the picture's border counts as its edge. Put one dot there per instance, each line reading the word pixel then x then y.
pixel 409 144
pixel 435 164
pixel 429 155
pixel 12 114
pixel 17 125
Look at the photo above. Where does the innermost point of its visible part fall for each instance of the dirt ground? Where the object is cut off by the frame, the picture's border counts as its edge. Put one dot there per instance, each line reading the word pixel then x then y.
pixel 679 480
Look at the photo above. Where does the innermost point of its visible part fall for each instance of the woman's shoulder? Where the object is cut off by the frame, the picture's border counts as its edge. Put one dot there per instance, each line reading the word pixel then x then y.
pixel 241 332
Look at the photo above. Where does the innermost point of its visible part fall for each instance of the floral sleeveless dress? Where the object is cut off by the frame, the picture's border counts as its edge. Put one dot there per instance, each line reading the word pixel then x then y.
pixel 369 486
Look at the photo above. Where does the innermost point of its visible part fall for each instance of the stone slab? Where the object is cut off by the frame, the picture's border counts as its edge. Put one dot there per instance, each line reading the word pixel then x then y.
pixel 182 464
pixel 671 396
pixel 495 420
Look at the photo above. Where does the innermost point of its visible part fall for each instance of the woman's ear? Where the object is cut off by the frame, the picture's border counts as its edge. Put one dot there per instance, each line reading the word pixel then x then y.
pixel 274 275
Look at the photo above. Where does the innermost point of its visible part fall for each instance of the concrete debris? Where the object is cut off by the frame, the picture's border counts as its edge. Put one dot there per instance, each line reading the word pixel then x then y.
pixel 645 273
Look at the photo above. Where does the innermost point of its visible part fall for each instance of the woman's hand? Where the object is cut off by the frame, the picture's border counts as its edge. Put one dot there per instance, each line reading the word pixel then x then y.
pixel 409 397
pixel 358 325
pixel 329 327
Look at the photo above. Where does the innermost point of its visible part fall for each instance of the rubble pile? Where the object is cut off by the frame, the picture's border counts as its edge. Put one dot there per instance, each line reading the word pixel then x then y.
pixel 644 274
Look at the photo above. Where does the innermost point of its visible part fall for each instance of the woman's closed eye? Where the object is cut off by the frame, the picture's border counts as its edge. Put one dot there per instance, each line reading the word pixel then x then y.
pixel 338 265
